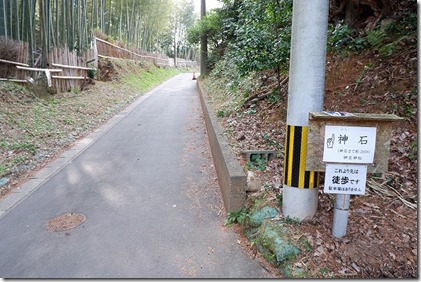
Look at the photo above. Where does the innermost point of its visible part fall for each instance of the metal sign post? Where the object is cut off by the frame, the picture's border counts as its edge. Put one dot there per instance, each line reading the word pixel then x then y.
pixel 344 180
pixel 343 145
pixel 340 215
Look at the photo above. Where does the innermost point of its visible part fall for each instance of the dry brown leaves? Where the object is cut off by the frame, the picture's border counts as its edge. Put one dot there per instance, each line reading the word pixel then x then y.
pixel 381 239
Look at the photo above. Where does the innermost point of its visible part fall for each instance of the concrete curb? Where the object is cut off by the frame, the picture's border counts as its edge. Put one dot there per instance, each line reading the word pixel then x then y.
pixel 231 177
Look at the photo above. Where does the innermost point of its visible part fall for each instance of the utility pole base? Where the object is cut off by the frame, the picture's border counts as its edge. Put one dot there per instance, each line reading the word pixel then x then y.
pixel 299 203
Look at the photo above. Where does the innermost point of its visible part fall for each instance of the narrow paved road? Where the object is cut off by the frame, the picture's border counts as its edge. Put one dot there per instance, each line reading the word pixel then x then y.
pixel 148 190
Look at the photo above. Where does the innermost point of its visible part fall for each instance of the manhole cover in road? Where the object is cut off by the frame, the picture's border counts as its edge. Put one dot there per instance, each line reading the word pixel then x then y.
pixel 65 222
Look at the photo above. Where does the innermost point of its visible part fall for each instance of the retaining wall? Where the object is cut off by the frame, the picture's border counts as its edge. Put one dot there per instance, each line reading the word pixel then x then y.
pixel 231 177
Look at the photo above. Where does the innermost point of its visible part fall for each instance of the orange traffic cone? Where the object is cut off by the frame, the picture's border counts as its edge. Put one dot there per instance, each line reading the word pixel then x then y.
pixel 194 76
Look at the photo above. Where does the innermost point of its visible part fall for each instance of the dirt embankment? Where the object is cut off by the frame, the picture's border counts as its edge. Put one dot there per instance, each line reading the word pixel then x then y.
pixel 381 239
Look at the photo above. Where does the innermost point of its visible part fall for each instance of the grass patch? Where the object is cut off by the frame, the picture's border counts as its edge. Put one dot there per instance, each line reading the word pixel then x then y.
pixel 36 128
pixel 146 79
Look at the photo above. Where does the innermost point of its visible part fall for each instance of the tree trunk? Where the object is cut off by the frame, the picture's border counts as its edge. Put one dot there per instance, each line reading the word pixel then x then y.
pixel 360 13
pixel 203 44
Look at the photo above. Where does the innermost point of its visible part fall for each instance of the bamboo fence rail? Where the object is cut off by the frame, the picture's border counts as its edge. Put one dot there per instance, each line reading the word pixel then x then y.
pixel 11 58
pixel 74 68
pixel 108 49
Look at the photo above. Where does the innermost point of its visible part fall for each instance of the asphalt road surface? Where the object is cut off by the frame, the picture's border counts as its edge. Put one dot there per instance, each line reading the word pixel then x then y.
pixel 147 189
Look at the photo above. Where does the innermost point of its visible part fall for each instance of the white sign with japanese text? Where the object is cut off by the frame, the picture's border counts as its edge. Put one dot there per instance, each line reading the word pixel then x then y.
pixel 345 179
pixel 349 144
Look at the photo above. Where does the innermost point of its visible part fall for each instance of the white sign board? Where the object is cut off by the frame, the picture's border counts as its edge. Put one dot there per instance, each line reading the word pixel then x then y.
pixel 345 179
pixel 349 144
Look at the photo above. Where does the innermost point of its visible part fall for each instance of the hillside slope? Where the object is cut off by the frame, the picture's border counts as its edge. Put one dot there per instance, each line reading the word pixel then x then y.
pixel 387 215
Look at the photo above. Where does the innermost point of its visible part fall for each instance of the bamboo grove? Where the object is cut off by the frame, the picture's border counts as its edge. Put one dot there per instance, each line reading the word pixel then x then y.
pixel 148 25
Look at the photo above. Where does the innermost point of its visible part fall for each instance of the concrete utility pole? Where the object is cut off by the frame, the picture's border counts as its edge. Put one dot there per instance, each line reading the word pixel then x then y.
pixel 305 94
pixel 203 43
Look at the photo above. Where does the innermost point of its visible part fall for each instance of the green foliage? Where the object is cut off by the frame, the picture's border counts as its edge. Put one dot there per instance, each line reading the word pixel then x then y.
pixel 225 79
pixel 392 47
pixel 275 96
pixel 222 113
pixel 32 148
pixel 257 201
pixel 262 35
pixel 305 244
pixel 342 38
pixel 324 270
pixel 149 76
pixel 257 162
pixel 211 26
pixel 292 221
pixel 362 74
pixel 91 74
pixel 251 35
pixel 339 36
pixel 385 38
pixel 272 141
pixel 3 171
pixel 413 150
pixel 13 88
pixel 376 38
pixel 75 90
pixel 251 111
pixel 28 147
pixel 279 199
pixel 236 216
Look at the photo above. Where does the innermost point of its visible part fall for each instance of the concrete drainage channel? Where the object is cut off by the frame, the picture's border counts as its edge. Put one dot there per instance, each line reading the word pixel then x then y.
pixel 273 238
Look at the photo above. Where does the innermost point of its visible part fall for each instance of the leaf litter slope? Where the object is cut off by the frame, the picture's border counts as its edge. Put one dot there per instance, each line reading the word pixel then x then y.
pixel 381 238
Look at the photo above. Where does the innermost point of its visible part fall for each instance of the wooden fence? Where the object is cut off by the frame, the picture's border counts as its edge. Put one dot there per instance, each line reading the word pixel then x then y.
pixel 14 54
pixel 74 68
pixel 184 63
pixel 67 70
pixel 109 50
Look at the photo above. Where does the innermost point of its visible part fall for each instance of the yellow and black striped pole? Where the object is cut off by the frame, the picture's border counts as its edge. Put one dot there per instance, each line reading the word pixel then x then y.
pixel 305 95
pixel 295 159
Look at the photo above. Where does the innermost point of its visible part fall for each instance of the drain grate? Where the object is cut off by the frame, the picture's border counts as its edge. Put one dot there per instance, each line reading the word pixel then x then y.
pixel 65 221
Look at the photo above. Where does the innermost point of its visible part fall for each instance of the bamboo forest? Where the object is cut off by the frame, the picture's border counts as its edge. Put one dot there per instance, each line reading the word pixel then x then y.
pixel 149 25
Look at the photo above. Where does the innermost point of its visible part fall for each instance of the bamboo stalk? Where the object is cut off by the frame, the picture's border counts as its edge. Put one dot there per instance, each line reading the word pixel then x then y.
pixel 14 63
pixel 133 53
pixel 13 80
pixel 376 186
pixel 68 77
pixel 37 69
